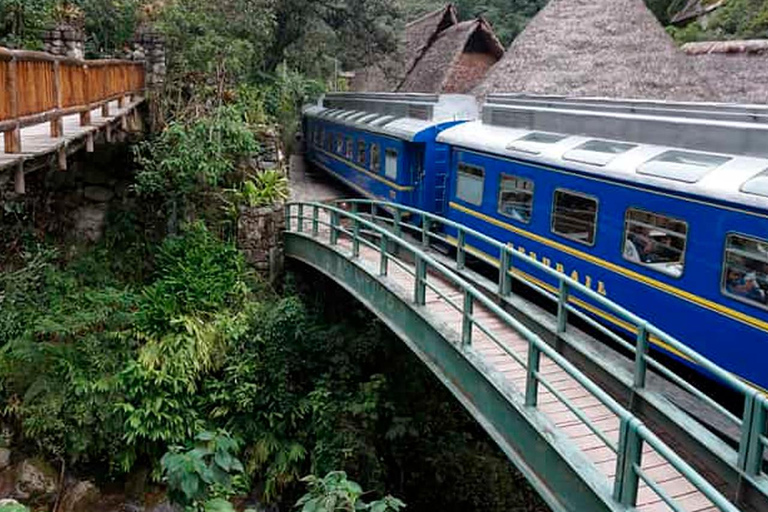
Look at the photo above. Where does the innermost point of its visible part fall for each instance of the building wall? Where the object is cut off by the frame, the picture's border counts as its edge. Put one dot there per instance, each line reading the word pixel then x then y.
pixel 468 72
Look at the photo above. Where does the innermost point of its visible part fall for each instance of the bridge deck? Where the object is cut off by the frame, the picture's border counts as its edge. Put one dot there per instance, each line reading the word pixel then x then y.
pixel 36 140
pixel 444 303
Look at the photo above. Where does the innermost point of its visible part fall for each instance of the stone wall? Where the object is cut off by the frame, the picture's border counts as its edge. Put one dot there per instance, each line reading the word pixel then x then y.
pixel 260 237
pixel 65 40
pixel 149 47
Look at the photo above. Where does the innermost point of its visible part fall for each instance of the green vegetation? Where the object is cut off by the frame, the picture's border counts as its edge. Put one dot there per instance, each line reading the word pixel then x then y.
pixel 335 493
pixel 737 19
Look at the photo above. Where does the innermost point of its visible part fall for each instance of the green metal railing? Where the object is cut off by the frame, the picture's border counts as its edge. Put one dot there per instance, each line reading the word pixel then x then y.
pixel 391 249
pixel 751 423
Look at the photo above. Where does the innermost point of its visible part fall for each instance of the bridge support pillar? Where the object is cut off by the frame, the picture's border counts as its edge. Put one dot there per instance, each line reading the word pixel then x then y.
pixel 259 236
pixel 19 184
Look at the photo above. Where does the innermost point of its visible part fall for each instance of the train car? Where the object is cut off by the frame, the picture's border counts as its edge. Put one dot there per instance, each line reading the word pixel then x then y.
pixel 663 208
pixel 383 145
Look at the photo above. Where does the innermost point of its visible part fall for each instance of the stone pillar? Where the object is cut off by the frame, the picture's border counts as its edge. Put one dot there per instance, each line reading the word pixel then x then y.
pixel 149 46
pixel 65 40
pixel 260 237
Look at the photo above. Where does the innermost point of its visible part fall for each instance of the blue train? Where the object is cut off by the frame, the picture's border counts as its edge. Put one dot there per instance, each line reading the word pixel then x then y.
pixel 661 207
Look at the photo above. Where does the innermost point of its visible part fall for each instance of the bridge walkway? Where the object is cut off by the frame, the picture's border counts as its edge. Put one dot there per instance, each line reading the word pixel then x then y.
pixel 622 459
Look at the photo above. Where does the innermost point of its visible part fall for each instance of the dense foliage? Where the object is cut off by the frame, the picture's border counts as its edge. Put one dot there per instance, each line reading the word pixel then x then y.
pixel 737 19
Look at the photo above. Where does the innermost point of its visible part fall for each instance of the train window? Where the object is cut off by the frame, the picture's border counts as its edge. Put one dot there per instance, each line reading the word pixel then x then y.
pixel 655 241
pixel 361 151
pixel 597 152
pixel 469 183
pixel 390 163
pixel 682 166
pixel 757 185
pixel 515 197
pixel 375 158
pixel 350 152
pixel 339 144
pixel 574 216
pixel 329 141
pixel 745 272
pixel 534 142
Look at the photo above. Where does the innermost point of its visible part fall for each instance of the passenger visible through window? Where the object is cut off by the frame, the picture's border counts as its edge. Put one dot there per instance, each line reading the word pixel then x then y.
pixel 350 148
pixel 390 164
pixel 361 152
pixel 656 241
pixel 745 272
pixel 375 158
pixel 469 183
pixel 339 144
pixel 574 216
pixel 515 197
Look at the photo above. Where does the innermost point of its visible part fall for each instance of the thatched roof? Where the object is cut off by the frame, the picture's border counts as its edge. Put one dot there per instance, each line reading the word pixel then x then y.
pixel 420 33
pixel 695 8
pixel 437 66
pixel 613 48
pixel 391 70
pixel 736 70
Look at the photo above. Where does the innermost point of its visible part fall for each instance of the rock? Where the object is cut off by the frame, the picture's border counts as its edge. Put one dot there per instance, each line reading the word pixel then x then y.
pixel 9 505
pixel 163 506
pixel 95 176
pixel 89 221
pixel 81 497
pixel 98 194
pixel 36 481
pixel 5 458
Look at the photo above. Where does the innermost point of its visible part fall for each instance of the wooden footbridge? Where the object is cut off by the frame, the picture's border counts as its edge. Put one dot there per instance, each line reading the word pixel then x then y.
pixel 588 432
pixel 52 106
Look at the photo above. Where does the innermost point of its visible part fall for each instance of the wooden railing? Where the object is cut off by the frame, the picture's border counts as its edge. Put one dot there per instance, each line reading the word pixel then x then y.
pixel 37 87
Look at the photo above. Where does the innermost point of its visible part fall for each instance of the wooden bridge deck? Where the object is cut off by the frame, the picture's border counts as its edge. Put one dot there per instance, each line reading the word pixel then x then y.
pixel 36 140
pixel 562 421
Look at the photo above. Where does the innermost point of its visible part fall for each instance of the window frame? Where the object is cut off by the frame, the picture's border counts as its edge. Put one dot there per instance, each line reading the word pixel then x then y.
pixel 349 152
pixel 387 151
pixel 502 175
pixel 648 265
pixel 482 188
pixel 375 159
pixel 723 290
pixel 584 196
pixel 339 144
pixel 362 149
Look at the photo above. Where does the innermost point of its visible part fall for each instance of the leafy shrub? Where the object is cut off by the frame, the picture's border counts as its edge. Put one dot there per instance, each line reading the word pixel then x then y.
pixel 335 493
pixel 266 188
pixel 199 474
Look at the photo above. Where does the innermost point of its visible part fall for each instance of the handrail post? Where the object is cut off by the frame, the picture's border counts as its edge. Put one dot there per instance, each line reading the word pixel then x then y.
pixel 466 319
pixel 334 228
pixel 532 375
pixel 57 125
pixel 751 447
pixel 424 231
pixel 641 349
pixel 461 254
pixel 629 455
pixel 562 310
pixel 398 221
pixel 315 221
pixel 505 279
pixel 384 261
pixel 13 136
pixel 300 220
pixel 85 115
pixel 420 282
pixel 356 237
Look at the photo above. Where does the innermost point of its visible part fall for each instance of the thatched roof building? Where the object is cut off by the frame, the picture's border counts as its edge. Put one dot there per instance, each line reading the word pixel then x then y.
pixel 696 9
pixel 457 60
pixel 736 70
pixel 419 35
pixel 613 48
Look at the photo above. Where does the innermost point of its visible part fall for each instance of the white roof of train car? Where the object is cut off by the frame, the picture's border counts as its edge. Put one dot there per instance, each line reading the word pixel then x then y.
pixel 403 116
pixel 737 175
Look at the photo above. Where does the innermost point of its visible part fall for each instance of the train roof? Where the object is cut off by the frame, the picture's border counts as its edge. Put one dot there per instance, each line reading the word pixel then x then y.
pixel 401 115
pixel 716 151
